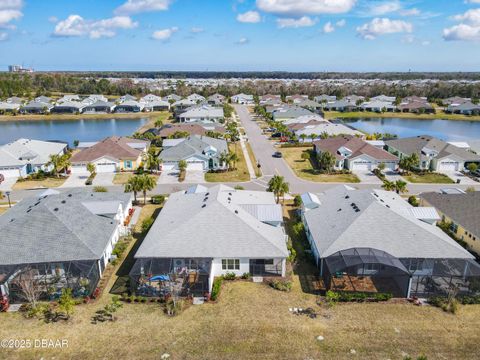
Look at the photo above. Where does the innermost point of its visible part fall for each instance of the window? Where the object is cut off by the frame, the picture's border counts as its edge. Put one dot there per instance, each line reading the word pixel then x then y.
pixel 230 264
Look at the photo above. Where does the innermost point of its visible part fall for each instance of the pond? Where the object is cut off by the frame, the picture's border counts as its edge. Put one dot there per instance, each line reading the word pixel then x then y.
pixel 68 130
pixel 449 130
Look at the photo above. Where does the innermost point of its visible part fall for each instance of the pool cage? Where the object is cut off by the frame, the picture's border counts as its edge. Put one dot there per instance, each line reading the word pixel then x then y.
pixel 372 270
pixel 164 277
pixel 49 279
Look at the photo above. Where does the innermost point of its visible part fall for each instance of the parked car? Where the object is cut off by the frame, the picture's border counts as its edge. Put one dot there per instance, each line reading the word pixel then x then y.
pixel 277 154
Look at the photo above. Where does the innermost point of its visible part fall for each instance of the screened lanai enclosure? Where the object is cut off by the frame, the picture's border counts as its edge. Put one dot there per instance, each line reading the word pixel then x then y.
pixel 49 279
pixel 371 270
pixel 163 277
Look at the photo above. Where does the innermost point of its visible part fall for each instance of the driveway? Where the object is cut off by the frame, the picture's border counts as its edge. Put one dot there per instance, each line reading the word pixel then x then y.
pixel 465 180
pixel 75 180
pixel 168 177
pixel 393 176
pixel 367 177
pixel 195 177
pixel 7 184
pixel 103 179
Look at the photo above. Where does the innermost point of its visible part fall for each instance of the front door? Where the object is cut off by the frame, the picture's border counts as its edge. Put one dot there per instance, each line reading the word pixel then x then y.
pixel 29 168
pixel 210 163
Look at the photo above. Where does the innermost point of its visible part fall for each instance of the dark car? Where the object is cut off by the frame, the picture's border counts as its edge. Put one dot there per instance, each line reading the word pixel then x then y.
pixel 277 154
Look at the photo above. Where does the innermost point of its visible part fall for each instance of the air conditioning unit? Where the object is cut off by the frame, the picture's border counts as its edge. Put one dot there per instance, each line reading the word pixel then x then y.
pixel 179 263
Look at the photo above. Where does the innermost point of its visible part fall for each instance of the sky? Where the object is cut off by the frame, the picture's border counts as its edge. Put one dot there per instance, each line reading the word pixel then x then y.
pixel 241 35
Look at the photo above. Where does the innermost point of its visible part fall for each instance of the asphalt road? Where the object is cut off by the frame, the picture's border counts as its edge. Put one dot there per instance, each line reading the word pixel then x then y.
pixel 270 166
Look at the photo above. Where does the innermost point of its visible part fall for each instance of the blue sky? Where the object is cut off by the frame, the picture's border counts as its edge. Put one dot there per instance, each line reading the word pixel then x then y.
pixel 291 35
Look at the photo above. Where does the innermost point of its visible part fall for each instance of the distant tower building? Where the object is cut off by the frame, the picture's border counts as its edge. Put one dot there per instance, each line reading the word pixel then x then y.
pixel 19 68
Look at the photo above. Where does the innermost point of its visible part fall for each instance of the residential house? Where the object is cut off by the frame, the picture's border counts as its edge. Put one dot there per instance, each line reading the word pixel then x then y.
pixel 216 100
pixel 99 107
pixel 325 98
pixel 341 105
pixel 111 155
pixel 311 105
pixel 465 108
pixel 129 106
pixel 25 156
pixel 181 106
pixel 127 97
pixel 150 98
pixel 200 152
pixel 378 106
pixel 375 241
pixel 296 99
pixel 61 240
pixel 327 128
pixel 172 98
pixel 384 98
pixel 434 154
pixel 195 128
pixel 202 113
pixel 14 100
pixel 304 119
pixel 68 107
pixel 43 99
pixel 355 154
pixel 68 98
pixel 6 107
pixel 415 104
pixel 156 105
pixel 289 112
pixel 461 211
pixel 202 234
pixel 198 99
pixel 455 100
pixel 264 99
pixel 35 107
pixel 354 99
pixel 91 99
pixel 243 99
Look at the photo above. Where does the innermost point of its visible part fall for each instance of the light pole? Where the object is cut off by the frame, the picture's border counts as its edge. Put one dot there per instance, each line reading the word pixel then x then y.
pixel 8 196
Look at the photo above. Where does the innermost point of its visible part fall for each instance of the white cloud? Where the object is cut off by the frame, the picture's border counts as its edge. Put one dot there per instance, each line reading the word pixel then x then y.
pixel 140 6
pixel 53 19
pixel 381 26
pixel 3 36
pixel 468 29
pixel 164 34
pixel 197 30
pixel 328 28
pixel 304 21
pixel 10 10
pixel 472 1
pixel 249 17
pixel 305 7
pixel 11 4
pixel 341 23
pixel 242 41
pixel 384 8
pixel 75 26
pixel 410 12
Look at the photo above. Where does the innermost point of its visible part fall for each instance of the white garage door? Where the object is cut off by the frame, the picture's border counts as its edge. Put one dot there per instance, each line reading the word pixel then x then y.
pixel 168 167
pixel 9 173
pixel 362 166
pixel 106 168
pixel 78 169
pixel 448 166
pixel 195 166
pixel 390 166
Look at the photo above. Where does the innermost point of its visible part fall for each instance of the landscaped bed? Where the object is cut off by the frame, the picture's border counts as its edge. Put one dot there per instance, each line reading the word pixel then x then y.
pixel 49 182
pixel 304 168
pixel 240 174
pixel 428 178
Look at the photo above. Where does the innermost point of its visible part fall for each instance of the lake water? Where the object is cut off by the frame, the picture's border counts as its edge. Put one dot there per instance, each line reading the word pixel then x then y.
pixel 450 130
pixel 68 130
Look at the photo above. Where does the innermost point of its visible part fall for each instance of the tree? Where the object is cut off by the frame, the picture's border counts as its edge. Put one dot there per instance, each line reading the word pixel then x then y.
pixel 305 155
pixel 30 286
pixel 158 123
pixel 409 163
pixel 152 161
pixel 303 137
pixel 326 161
pixel 66 303
pixel 76 142
pixel 58 162
pixel 278 186
pixel 148 183
pixel 313 136
pixel 472 167
pixel 388 185
pixel 233 157
pixel 134 185
pixel 381 166
pixel 225 159
pixel 324 135
pixel 182 165
pixel 401 186
pixel 91 168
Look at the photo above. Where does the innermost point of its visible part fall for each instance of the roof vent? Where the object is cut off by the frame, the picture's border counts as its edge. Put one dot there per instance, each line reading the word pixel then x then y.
pixel 207 194
pixel 347 197
pixel 236 211
pixel 339 210
pixel 69 195
pixel 63 201
pixel 56 209
pixel 357 210
pixel 204 205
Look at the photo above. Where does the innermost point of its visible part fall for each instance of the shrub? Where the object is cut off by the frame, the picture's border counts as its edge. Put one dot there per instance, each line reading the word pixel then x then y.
pixel 158 199
pixel 292 252
pixel 217 285
pixel 343 296
pixel 298 229
pixel 281 285
pixel 412 200
pixel 297 200
pixel 332 297
pixel 100 189
pixel 239 187
pixel 173 308
pixel 230 276
pixel 246 276
pixel 146 224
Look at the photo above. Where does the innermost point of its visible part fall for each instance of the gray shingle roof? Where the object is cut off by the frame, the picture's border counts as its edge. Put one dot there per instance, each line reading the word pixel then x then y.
pixel 384 222
pixel 464 209
pixel 193 145
pixel 57 228
pixel 213 224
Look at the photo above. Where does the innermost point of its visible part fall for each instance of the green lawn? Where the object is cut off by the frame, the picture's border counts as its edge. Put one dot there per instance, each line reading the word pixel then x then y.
pixel 440 114
pixel 45 183
pixel 240 174
pixel 253 159
pixel 305 170
pixel 428 178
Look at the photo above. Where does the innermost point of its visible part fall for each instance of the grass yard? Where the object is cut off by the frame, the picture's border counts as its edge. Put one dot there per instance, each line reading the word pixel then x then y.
pixel 440 114
pixel 240 174
pixel 122 178
pixel 27 117
pixel 45 183
pixel 253 159
pixel 305 170
pixel 428 178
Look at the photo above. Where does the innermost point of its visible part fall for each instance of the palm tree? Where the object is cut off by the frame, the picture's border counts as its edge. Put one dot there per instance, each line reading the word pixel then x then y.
pixel 233 157
pixel 152 162
pixel 158 123
pixel 326 161
pixel 91 168
pixel 313 136
pixel 134 185
pixel 305 155
pixel 401 186
pixel 224 159
pixel 278 186
pixel 147 183
pixel 182 165
pixel 388 185
pixel 58 162
pixel 324 135
pixel 303 137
